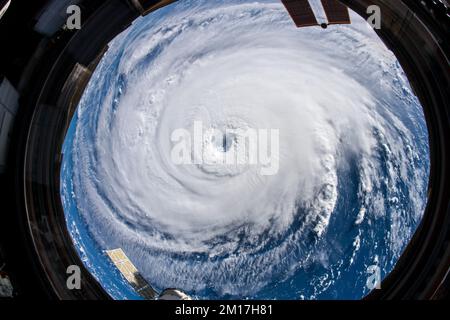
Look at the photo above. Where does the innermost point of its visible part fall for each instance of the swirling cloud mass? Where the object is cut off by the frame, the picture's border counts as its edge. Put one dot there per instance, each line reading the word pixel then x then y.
pixel 353 154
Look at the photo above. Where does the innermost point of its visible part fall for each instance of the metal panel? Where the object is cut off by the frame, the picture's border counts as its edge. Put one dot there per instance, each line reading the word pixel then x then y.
pixel 8 109
pixel 336 12
pixel 301 12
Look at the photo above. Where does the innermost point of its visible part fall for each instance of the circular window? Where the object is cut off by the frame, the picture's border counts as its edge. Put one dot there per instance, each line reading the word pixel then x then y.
pixel 231 155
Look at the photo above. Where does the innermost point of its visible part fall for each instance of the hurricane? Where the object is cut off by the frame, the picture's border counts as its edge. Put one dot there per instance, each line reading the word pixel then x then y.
pixel 352 160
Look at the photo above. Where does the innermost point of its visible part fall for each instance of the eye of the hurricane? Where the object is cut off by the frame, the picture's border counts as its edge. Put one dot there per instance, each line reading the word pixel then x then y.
pixel 222 142
pixel 227 141
pixel 221 150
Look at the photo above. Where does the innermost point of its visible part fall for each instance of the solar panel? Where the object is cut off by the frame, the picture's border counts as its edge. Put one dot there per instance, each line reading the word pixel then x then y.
pixel 336 12
pixel 301 12
pixel 131 273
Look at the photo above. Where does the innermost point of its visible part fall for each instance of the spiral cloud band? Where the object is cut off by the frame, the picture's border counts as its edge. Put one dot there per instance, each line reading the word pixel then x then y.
pixel 351 154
